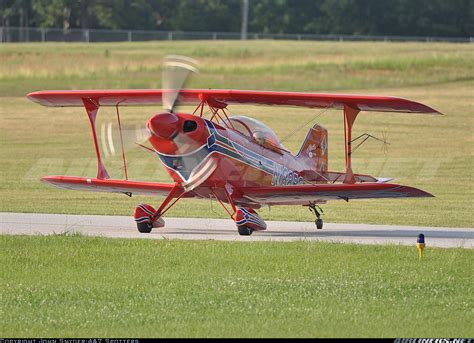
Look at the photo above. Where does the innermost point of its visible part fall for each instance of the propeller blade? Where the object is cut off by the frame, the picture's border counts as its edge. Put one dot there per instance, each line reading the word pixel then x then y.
pixel 184 143
pixel 176 71
pixel 201 173
pixel 201 170
pixel 111 139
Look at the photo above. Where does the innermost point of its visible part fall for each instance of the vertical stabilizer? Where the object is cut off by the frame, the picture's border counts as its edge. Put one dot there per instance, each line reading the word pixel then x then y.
pixel 314 151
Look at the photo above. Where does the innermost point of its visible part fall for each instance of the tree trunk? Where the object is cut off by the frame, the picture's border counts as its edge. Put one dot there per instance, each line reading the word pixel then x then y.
pixel 85 14
pixel 245 19
pixel 22 26
pixel 66 19
pixel 85 20
pixel 7 34
pixel 27 24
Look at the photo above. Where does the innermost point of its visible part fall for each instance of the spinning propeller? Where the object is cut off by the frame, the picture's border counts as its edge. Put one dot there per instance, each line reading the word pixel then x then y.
pixel 111 137
pixel 165 127
pixel 175 73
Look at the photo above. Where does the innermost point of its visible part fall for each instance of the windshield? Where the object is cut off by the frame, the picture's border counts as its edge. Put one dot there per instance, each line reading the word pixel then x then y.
pixel 252 128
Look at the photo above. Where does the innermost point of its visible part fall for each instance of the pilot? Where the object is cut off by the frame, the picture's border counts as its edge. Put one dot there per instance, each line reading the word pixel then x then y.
pixel 264 138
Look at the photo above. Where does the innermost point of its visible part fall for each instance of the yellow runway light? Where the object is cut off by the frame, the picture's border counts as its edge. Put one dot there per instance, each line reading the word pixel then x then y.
pixel 420 245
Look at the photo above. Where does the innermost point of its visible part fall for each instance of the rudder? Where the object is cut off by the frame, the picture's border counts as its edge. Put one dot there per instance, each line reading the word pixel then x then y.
pixel 314 151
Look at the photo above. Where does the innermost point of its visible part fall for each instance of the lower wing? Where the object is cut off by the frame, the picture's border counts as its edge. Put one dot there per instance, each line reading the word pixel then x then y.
pixel 109 185
pixel 272 195
pixel 302 194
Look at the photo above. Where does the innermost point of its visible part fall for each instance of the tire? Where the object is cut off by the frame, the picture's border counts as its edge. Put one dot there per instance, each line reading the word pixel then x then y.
pixel 144 227
pixel 319 223
pixel 244 230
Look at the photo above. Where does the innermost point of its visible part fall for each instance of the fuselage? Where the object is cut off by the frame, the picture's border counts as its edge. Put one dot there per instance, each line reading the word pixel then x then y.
pixel 201 154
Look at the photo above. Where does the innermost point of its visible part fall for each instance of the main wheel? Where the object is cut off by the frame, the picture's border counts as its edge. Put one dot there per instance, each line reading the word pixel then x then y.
pixel 144 227
pixel 244 230
pixel 319 223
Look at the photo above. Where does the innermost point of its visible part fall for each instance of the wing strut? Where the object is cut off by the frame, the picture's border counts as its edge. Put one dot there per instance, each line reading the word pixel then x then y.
pixel 350 115
pixel 92 107
pixel 121 142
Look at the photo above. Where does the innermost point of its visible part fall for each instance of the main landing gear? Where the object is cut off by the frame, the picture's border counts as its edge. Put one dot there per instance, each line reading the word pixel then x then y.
pixel 148 218
pixel 145 227
pixel 316 210
pixel 246 219
pixel 244 230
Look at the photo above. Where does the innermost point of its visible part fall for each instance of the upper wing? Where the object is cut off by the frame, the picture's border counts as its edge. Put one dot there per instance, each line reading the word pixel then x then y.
pixel 302 194
pixel 109 185
pixel 130 97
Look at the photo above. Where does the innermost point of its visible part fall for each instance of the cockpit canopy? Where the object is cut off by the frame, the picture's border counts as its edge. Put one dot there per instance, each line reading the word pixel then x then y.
pixel 255 130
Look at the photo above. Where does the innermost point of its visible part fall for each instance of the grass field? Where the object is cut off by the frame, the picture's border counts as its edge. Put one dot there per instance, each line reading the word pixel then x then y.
pixel 74 286
pixel 432 153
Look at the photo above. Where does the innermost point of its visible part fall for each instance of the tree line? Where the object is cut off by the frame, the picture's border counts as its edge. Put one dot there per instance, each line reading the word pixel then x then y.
pixel 445 18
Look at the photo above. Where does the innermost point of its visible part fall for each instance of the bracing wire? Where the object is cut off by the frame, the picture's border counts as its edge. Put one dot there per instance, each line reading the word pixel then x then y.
pixel 322 111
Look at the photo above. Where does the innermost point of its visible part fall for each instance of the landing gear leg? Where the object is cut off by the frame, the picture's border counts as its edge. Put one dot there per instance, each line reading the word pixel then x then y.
pixel 246 219
pixel 147 217
pixel 316 210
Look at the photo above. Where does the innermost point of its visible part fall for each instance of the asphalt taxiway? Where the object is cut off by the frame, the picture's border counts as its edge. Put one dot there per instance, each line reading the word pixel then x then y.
pixel 224 229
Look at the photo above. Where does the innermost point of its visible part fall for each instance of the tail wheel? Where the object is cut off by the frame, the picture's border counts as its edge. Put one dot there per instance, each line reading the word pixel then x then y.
pixel 244 230
pixel 316 210
pixel 144 227
pixel 319 223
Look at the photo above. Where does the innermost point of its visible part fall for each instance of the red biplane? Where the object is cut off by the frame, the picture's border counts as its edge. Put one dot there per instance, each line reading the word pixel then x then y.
pixel 237 160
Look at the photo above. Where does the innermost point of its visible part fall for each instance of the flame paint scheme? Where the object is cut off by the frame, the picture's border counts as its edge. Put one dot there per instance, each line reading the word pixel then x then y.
pixel 237 160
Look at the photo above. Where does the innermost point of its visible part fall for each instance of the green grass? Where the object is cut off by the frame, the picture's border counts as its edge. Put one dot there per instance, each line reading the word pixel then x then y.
pixel 75 286
pixel 432 153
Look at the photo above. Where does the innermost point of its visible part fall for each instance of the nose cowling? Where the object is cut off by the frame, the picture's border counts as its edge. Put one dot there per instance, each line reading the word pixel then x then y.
pixel 164 125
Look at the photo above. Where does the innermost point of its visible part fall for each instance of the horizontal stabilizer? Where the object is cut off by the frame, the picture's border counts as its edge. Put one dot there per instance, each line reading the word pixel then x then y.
pixel 384 179
pixel 339 177
pixel 332 177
